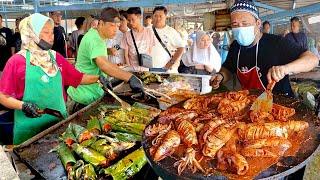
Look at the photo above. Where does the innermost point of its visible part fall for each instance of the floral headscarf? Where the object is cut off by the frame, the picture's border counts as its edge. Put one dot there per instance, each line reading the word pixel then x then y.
pixel 30 28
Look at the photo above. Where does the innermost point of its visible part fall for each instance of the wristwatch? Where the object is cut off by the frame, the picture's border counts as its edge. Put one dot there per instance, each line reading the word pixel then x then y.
pixel 220 75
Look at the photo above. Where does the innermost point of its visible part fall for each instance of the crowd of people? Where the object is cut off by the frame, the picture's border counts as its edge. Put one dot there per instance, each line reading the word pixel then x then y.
pixel 165 47
pixel 38 75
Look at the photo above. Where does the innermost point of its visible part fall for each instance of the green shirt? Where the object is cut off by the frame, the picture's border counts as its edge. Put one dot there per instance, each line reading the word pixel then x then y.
pixel 91 47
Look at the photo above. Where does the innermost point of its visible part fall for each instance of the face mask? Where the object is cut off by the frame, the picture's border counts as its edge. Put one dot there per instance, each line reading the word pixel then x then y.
pixel 244 35
pixel 44 45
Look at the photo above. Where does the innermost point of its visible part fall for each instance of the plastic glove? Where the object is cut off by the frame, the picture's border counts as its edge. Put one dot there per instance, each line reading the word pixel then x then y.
pixel 30 110
pixel 105 82
pixel 136 84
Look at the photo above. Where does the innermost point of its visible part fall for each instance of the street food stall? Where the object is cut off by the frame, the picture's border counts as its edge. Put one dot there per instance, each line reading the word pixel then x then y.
pixel 198 137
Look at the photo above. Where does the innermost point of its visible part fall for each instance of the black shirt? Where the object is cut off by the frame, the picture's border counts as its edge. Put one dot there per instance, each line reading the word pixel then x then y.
pixel 59 43
pixel 5 48
pixel 299 38
pixel 273 51
pixel 17 41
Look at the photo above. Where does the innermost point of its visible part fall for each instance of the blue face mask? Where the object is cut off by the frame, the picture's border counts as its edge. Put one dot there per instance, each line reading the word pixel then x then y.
pixel 244 35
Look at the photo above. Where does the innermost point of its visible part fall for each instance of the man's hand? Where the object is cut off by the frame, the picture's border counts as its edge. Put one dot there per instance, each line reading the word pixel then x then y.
pixel 30 110
pixel 216 80
pixel 113 51
pixel 169 65
pixel 277 73
pixel 136 84
pixel 104 81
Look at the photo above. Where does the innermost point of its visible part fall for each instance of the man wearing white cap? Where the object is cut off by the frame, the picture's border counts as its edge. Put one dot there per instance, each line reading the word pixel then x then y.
pixel 258 58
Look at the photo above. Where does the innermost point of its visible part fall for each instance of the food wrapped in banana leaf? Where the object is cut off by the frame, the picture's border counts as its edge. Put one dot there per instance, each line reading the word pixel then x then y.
pixel 105 125
pixel 128 166
pixel 82 171
pixel 132 128
pixel 111 148
pixel 90 155
pixel 68 137
pixel 88 142
pixel 66 157
pixel 136 115
pixel 94 126
pixel 103 147
pixel 126 136
pixel 117 145
pixel 81 133
pixel 89 173
pixel 147 78
pixel 152 112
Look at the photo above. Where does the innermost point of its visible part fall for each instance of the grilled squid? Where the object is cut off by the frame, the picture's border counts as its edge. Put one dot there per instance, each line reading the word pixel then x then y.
pixel 217 139
pixel 165 145
pixel 187 133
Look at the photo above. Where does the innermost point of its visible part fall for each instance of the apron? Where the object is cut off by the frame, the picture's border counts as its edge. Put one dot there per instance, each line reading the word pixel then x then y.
pixel 44 91
pixel 251 78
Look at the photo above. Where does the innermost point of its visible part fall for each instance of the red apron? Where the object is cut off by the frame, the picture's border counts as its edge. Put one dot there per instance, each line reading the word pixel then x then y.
pixel 250 79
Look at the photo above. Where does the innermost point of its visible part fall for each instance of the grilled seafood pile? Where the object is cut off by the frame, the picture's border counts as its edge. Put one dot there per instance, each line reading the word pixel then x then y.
pixel 221 129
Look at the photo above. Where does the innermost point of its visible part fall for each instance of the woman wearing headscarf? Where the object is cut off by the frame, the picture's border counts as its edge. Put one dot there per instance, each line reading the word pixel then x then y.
pixel 34 78
pixel 202 58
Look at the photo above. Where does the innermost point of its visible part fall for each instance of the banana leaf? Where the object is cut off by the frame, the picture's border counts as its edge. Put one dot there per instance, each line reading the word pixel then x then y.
pixel 77 129
pixel 101 146
pixel 66 156
pixel 105 125
pixel 152 112
pixel 132 128
pixel 104 148
pixel 108 107
pixel 90 155
pixel 120 115
pixel 128 166
pixel 117 145
pixel 81 133
pixel 126 136
pixel 88 142
pixel 136 115
pixel 94 126
pixel 89 173
pixel 77 171
pixel 68 137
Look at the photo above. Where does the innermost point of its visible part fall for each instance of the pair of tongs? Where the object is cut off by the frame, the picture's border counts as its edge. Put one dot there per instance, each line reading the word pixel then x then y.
pixel 150 92
pixel 52 112
pixel 124 104
pixel 264 102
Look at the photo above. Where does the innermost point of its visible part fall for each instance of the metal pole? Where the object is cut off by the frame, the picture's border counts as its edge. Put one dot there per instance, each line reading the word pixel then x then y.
pixel 65 21
pixel 6 19
pixel 142 12
pixel 35 6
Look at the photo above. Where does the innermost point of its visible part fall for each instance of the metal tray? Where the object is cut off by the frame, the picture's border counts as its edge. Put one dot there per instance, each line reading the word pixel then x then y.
pixel 35 152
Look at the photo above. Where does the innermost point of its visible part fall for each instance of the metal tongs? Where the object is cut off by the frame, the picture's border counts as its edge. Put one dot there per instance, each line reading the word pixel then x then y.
pixel 150 92
pixel 264 102
pixel 52 112
pixel 124 104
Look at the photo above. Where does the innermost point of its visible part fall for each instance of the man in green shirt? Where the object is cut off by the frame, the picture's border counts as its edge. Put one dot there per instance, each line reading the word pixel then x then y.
pixel 92 59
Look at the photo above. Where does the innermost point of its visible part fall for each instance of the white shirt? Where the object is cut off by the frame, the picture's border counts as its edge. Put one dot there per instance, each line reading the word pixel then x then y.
pixel 115 42
pixel 172 39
